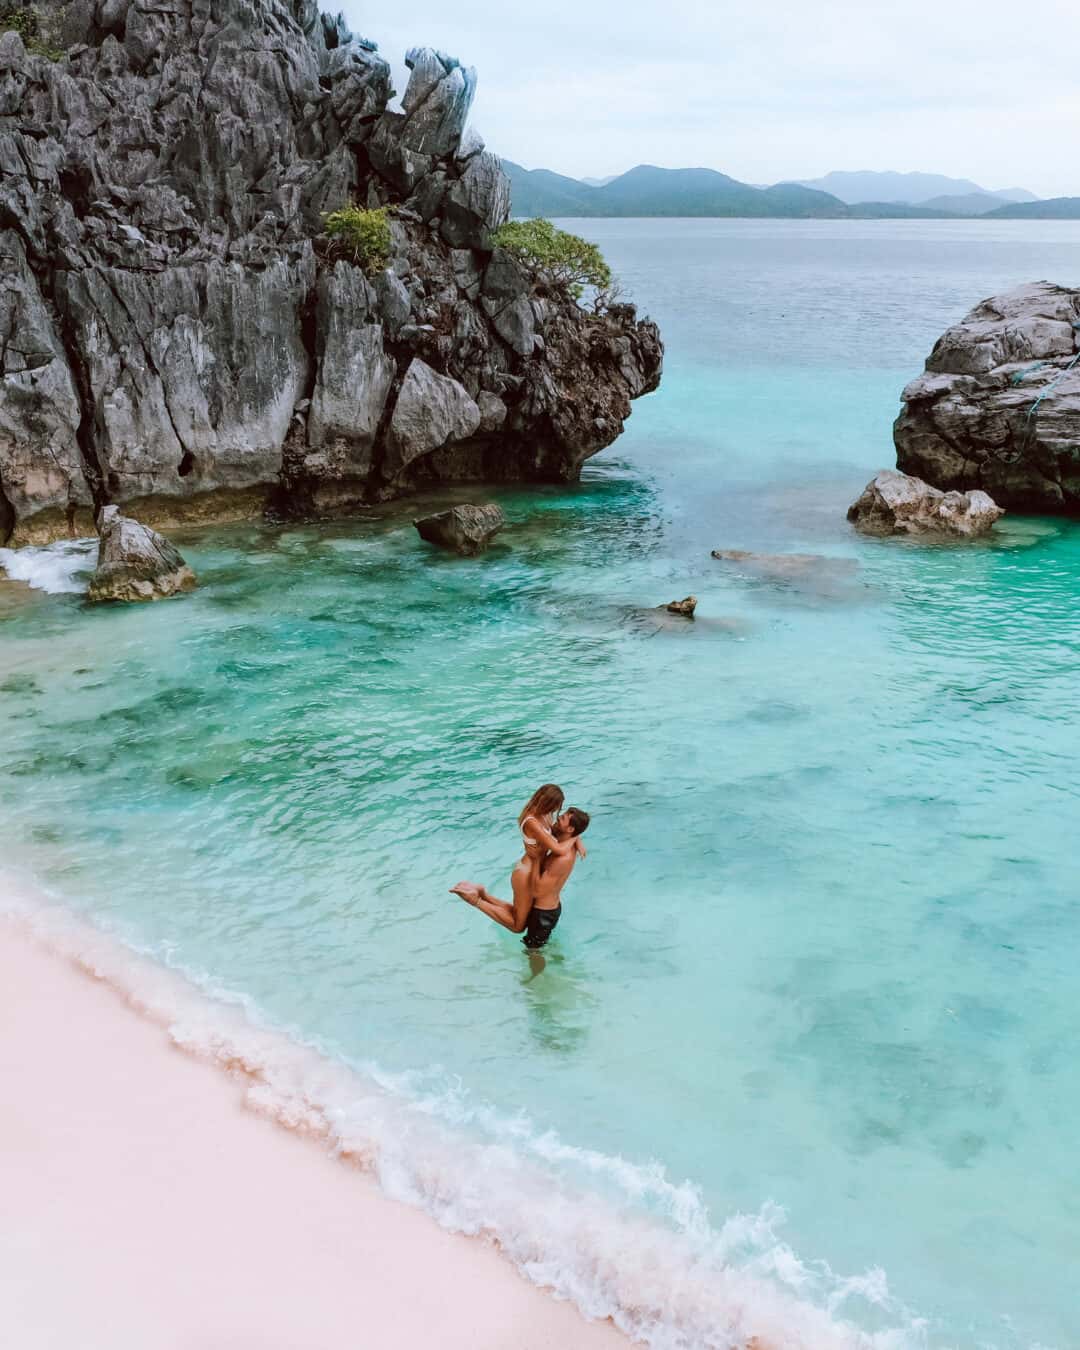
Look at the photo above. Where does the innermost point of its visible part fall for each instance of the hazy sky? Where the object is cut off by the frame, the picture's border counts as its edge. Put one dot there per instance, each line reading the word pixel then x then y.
pixel 764 89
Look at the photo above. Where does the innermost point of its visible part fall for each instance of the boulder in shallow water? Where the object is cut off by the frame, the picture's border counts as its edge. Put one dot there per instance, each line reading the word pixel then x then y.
pixel 135 562
pixel 463 529
pixel 685 607
pixel 998 405
pixel 896 503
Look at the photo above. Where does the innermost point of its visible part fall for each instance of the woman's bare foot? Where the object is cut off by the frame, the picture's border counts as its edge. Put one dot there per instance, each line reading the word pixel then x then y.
pixel 468 891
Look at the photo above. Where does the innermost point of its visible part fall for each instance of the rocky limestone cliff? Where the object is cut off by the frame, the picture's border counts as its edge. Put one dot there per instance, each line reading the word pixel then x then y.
pixel 998 407
pixel 175 339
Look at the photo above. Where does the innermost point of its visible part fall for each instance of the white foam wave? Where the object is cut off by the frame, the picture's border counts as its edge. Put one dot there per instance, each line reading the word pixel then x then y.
pixel 665 1276
pixel 61 568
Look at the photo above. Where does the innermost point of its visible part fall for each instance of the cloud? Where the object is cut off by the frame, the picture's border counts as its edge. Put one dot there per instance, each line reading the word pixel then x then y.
pixel 975 88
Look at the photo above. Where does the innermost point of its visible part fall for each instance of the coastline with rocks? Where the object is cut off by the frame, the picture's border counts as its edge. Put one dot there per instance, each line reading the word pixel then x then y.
pixel 274 352
pixel 190 351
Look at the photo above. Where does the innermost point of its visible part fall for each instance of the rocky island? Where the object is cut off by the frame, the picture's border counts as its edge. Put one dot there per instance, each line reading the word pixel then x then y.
pixel 998 406
pixel 178 339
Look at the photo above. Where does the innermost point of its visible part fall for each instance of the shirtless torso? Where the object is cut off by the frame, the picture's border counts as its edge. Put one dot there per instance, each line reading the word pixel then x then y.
pixel 537 905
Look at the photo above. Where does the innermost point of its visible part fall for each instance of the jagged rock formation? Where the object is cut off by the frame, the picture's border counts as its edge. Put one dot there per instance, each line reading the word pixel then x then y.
pixel 464 529
pixel 135 563
pixel 172 335
pixel 895 503
pixel 998 407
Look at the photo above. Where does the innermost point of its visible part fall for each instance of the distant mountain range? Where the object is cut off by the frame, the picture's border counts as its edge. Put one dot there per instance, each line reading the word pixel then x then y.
pixel 913 189
pixel 651 191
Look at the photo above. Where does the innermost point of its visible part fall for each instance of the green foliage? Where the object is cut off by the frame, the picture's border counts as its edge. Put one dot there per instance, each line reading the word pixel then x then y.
pixel 556 258
pixel 360 235
pixel 25 20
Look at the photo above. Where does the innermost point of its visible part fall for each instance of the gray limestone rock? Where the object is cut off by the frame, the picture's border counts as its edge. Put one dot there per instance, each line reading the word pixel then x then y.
pixel 135 563
pixel 431 412
pixel 492 411
pixel 463 529
pixel 895 503
pixel 505 279
pixel 192 373
pixel 355 374
pixel 177 331
pixel 477 204
pixel 42 476
pixel 998 406
pixel 392 300
pixel 515 324
pixel 436 102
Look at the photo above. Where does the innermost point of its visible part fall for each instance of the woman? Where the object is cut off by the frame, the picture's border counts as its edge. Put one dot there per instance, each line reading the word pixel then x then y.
pixel 536 822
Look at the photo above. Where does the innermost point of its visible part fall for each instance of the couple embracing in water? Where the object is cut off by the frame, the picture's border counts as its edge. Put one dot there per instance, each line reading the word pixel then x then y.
pixel 552 840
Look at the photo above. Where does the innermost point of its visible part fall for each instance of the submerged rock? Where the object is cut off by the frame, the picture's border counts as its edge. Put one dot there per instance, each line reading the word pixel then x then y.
pixel 178 337
pixel 811 577
pixel 685 607
pixel 135 562
pixel 786 565
pixel 465 529
pixel 895 503
pixel 998 406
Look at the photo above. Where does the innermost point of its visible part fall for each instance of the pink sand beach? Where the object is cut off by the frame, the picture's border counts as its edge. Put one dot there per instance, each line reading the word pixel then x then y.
pixel 146 1207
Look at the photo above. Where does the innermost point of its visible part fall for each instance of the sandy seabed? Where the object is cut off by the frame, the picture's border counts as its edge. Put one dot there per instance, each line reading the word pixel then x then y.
pixel 143 1206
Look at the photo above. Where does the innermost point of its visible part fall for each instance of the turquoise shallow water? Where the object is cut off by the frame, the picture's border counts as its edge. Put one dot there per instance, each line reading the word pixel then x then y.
pixel 822 953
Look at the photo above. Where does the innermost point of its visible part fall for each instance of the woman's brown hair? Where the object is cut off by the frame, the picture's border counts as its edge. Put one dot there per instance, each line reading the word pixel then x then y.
pixel 545 801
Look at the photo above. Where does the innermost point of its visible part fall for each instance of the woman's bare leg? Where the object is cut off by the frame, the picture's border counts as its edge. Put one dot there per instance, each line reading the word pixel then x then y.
pixel 513 916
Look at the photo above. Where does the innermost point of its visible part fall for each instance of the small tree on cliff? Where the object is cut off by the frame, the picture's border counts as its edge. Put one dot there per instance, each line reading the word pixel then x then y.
pixel 558 260
pixel 27 22
pixel 360 235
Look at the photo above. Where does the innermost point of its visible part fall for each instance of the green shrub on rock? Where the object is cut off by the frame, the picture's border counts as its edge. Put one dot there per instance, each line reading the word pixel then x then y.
pixel 25 20
pixel 361 235
pixel 558 259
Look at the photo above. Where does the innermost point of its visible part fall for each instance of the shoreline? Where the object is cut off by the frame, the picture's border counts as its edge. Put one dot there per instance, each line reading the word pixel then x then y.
pixel 148 1206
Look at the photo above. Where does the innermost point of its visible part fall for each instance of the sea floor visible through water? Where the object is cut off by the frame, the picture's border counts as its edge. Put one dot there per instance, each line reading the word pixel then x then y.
pixel 807 1015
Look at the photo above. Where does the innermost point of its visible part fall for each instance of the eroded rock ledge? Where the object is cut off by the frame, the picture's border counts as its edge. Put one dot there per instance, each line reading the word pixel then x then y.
pixel 171 338
pixel 998 407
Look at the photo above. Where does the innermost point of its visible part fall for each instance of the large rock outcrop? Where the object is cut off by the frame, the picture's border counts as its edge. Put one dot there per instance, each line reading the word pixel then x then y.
pixel 173 334
pixel 998 407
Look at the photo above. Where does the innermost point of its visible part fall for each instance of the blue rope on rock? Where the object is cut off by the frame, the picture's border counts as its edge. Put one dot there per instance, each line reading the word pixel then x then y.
pixel 1028 427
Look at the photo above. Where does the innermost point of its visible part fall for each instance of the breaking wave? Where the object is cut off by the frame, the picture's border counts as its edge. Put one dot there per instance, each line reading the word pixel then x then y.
pixel 60 569
pixel 617 1238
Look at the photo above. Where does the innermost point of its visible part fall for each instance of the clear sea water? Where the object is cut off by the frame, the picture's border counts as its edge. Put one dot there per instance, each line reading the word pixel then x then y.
pixel 820 963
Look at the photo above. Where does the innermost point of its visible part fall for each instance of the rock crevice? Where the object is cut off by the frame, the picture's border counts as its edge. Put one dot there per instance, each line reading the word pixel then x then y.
pixel 196 350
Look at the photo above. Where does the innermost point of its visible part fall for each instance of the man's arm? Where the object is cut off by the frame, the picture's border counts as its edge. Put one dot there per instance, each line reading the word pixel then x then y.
pixel 536 829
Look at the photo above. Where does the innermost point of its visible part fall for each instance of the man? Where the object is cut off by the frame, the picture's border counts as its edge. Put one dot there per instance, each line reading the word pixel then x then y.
pixel 537 916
